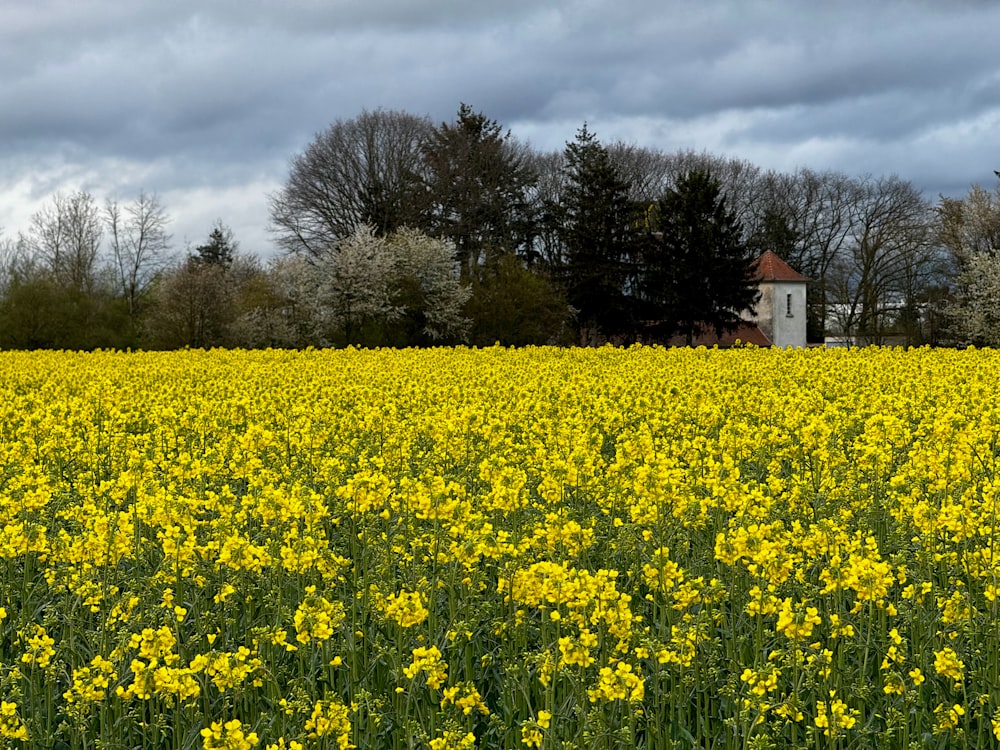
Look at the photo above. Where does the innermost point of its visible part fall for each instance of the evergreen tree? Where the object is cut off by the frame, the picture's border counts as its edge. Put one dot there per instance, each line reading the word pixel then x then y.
pixel 220 249
pixel 598 238
pixel 697 274
pixel 476 184
pixel 776 234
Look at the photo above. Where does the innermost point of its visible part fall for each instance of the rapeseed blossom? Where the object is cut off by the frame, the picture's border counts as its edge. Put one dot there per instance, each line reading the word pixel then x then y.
pixel 797 623
pixel 833 716
pixel 428 660
pixel 947 663
pixel 331 718
pixel 948 717
pixel 564 545
pixel 11 726
pixel 90 683
pixel 40 647
pixel 453 740
pixel 407 608
pixel 316 618
pixel 620 683
pixel 761 683
pixel 228 736
pixel 466 698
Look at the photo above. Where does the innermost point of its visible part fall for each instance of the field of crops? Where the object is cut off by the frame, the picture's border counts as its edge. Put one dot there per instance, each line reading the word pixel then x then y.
pixel 541 548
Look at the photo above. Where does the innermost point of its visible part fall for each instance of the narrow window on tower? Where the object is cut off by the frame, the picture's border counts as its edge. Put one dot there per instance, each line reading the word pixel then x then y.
pixel 788 305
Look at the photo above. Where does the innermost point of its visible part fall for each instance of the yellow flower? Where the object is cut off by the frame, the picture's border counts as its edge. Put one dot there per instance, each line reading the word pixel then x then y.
pixel 316 618
pixel 761 683
pixel 407 608
pixel 797 624
pixel 620 683
pixel 452 740
pixel 229 669
pixel 838 629
pixel 40 648
pixel 947 664
pixel 761 603
pixel 466 697
pixel 531 736
pixel 947 717
pixel 281 745
pixel 893 684
pixel 834 717
pixel 330 718
pixel 156 644
pixel 789 711
pixel 227 736
pixel 428 660
pixel 90 683
pixel 11 726
pixel 225 592
pixel 577 651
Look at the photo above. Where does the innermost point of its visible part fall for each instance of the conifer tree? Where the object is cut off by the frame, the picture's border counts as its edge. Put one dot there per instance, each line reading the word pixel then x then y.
pixel 475 189
pixel 697 274
pixel 598 238
pixel 220 249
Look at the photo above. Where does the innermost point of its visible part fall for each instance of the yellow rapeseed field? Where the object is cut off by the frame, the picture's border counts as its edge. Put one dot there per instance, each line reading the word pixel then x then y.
pixel 537 548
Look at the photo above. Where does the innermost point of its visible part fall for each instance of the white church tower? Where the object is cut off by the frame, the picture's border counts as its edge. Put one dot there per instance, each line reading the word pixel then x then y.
pixel 781 310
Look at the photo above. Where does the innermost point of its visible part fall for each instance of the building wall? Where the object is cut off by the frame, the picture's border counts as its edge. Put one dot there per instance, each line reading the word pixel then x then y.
pixel 781 312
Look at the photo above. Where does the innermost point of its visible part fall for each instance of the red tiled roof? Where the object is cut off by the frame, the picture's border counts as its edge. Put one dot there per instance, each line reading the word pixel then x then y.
pixel 772 268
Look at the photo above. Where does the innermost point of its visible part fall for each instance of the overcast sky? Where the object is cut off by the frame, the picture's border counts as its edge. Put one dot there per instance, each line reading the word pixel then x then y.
pixel 205 102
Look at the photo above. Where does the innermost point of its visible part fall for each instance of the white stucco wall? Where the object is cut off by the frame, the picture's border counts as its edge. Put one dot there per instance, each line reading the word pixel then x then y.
pixel 781 312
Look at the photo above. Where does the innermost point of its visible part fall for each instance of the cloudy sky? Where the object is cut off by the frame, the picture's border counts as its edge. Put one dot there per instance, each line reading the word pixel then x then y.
pixel 204 102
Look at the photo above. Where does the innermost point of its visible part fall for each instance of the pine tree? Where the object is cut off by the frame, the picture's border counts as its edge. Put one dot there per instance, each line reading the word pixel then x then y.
pixel 598 238
pixel 475 187
pixel 220 249
pixel 697 274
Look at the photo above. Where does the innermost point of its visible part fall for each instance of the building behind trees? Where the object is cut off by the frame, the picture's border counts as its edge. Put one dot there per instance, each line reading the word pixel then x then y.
pixel 470 235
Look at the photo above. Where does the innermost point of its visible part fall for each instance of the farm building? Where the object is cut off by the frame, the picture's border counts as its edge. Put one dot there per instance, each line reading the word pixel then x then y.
pixel 780 315
pixel 781 309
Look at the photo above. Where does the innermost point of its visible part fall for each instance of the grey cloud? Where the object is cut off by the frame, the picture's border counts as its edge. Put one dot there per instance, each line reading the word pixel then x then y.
pixel 193 95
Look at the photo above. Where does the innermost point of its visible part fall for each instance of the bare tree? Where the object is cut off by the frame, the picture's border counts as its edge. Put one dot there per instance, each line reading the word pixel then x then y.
pixel 358 171
pixel 199 301
pixel 649 172
pixel 740 180
pixel 139 243
pixel 8 261
pixel 544 200
pixel 66 236
pixel 192 306
pixel 888 250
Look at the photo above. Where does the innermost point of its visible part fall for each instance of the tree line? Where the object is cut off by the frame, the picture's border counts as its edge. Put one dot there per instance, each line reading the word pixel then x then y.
pixel 397 231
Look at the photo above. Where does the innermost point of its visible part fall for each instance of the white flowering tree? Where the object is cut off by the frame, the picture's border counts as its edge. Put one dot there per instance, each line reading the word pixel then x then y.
pixel 354 284
pixel 400 289
pixel 970 229
pixel 427 287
